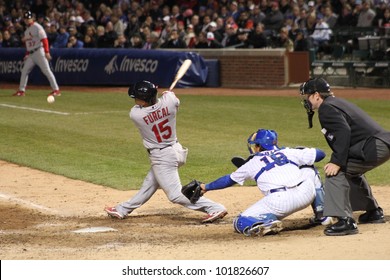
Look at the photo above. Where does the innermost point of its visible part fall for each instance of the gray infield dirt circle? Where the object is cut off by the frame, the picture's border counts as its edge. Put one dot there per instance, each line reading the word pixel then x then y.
pixel 40 212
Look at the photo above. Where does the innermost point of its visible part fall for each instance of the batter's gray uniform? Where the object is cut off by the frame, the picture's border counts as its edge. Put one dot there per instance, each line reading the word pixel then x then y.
pixel 36 56
pixel 157 125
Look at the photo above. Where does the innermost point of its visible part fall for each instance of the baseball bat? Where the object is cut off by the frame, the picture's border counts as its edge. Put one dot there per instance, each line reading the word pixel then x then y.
pixel 180 73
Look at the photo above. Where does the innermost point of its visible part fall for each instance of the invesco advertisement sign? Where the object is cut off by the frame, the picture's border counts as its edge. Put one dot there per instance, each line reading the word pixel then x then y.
pixel 106 67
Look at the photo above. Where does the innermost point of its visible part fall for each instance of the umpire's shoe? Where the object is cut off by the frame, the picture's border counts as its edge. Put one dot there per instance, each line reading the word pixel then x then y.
pixel 372 217
pixel 345 226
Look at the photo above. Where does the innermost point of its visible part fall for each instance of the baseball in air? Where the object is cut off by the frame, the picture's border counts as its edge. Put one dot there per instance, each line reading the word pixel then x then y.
pixel 50 99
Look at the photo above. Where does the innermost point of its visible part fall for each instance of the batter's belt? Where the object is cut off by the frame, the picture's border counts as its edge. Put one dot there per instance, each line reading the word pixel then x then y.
pixel 149 150
pixel 34 50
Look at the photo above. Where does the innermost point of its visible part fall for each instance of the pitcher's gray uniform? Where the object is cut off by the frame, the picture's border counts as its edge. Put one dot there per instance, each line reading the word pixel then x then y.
pixel 37 47
pixel 157 126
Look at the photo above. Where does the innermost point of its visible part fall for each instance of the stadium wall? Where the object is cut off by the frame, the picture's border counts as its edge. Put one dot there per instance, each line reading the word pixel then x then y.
pixel 236 68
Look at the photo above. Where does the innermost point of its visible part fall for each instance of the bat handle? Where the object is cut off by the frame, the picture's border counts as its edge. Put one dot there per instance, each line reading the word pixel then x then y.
pixel 172 85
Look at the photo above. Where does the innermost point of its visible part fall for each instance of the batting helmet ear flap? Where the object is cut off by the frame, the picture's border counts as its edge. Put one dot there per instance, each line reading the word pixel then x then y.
pixel 28 15
pixel 143 90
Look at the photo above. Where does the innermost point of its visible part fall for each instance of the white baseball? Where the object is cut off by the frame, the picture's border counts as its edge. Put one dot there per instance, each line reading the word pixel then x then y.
pixel 50 99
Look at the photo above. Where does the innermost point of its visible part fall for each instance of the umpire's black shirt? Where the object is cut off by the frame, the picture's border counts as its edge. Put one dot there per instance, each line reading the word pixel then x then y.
pixel 349 131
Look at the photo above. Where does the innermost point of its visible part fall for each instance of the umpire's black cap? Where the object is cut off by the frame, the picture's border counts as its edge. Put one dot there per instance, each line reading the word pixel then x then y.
pixel 28 15
pixel 315 85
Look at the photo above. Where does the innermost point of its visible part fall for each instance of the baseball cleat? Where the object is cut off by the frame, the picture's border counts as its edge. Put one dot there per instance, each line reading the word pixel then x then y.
pixel 372 217
pixel 55 93
pixel 214 216
pixel 19 93
pixel 113 213
pixel 345 226
pixel 325 221
pixel 270 228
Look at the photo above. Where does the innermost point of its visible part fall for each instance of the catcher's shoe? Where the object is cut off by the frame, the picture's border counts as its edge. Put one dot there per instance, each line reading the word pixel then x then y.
pixel 113 213
pixel 270 228
pixel 55 93
pixel 214 216
pixel 325 221
pixel 19 93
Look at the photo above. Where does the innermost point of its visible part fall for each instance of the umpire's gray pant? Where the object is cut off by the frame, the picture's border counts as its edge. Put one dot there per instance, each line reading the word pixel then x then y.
pixel 349 191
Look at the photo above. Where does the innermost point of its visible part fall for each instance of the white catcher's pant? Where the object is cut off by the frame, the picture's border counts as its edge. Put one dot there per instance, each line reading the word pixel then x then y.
pixel 284 203
pixel 164 174
pixel 37 58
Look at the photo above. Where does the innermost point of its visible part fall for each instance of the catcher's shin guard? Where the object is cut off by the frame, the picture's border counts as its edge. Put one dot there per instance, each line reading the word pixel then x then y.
pixel 256 226
pixel 318 203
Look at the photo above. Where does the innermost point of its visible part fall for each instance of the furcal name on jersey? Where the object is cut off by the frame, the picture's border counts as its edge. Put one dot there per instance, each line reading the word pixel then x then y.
pixel 156 115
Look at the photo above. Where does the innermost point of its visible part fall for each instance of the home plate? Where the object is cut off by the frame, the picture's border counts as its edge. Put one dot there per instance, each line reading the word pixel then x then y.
pixel 94 229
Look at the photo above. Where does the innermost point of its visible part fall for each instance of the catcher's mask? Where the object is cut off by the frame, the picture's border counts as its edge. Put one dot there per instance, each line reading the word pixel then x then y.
pixel 267 139
pixel 310 87
pixel 144 90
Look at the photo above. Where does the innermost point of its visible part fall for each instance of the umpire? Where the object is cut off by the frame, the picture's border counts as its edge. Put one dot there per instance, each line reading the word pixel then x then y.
pixel 358 145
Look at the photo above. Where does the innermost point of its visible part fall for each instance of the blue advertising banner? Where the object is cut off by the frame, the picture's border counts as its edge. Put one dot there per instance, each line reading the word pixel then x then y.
pixel 120 67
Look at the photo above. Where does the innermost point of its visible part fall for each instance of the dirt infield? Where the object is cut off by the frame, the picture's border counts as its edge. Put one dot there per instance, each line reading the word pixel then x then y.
pixel 39 213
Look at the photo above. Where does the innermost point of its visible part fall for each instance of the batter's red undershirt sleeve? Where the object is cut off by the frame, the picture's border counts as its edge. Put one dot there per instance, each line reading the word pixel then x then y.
pixel 45 43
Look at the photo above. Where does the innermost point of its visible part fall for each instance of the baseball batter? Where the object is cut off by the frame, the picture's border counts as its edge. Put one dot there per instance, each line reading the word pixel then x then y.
pixel 38 53
pixel 155 119
pixel 286 187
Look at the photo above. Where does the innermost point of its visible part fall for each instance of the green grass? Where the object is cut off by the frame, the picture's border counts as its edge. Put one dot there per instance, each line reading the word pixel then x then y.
pixel 97 142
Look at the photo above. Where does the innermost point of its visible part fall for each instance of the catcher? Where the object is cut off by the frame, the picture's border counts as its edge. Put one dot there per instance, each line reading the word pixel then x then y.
pixel 309 171
pixel 287 188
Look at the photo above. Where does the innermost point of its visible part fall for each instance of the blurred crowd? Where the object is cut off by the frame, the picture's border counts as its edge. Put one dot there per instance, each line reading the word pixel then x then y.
pixel 296 25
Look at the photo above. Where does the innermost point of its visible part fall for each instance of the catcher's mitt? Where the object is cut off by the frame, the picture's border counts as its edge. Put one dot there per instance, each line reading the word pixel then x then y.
pixel 192 191
pixel 240 161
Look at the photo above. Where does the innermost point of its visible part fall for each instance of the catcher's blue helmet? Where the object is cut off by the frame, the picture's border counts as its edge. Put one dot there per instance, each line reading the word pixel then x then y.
pixel 266 138
pixel 143 90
